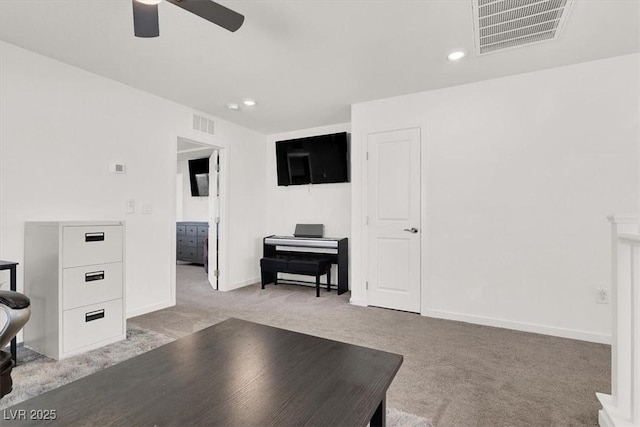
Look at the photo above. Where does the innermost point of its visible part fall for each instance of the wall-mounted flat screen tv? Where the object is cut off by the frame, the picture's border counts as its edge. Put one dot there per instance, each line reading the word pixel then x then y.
pixel 313 160
pixel 199 177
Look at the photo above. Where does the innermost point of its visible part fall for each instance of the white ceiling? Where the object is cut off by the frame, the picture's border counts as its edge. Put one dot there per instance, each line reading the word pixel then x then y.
pixel 304 61
pixel 188 150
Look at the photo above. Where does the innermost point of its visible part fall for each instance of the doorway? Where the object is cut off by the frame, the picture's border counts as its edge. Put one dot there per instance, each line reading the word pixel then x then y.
pixel 394 218
pixel 198 207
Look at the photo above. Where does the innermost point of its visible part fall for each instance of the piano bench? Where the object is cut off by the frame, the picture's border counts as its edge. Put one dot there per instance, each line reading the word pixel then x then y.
pixel 306 266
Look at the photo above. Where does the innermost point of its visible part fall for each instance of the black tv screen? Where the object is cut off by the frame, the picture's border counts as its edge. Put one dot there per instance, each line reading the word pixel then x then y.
pixel 199 177
pixel 313 160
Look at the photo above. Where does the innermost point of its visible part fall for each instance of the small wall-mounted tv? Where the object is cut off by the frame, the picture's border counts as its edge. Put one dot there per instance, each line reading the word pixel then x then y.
pixel 199 177
pixel 319 159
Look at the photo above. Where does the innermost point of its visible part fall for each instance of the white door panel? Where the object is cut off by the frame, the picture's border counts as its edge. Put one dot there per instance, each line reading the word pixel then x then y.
pixel 393 264
pixel 394 219
pixel 394 183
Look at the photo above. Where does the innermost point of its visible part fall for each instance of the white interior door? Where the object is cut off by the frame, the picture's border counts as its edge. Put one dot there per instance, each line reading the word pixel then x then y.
pixel 394 219
pixel 179 197
pixel 214 218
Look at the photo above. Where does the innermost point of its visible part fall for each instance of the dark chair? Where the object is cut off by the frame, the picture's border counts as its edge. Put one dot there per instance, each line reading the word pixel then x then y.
pixel 307 266
pixel 17 308
pixel 312 267
pixel 275 265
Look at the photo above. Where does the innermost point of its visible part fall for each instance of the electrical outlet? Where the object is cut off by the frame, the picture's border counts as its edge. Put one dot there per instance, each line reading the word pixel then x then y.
pixel 602 296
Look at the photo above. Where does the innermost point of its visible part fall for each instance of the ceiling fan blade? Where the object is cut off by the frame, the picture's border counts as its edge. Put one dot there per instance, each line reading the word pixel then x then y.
pixel 145 19
pixel 212 12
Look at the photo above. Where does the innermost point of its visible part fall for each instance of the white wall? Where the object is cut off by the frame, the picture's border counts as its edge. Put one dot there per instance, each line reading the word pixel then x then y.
pixel 245 215
pixel 328 204
pixel 193 208
pixel 521 174
pixel 60 128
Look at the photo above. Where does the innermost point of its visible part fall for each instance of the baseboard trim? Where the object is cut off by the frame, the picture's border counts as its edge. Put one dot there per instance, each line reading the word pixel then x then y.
pixel 149 309
pixel 603 417
pixel 520 326
pixel 357 301
pixel 242 284
pixel 609 416
pixel 604 420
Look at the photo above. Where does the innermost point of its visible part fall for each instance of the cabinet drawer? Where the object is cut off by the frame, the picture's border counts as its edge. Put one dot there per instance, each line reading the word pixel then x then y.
pixel 91 245
pixel 189 254
pixel 91 324
pixel 203 231
pixel 201 243
pixel 187 241
pixel 180 229
pixel 91 284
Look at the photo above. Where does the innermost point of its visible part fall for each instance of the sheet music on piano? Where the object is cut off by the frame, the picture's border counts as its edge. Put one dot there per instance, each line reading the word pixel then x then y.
pixel 309 230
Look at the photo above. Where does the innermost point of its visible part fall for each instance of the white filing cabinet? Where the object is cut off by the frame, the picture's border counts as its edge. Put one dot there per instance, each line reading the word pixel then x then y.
pixel 74 276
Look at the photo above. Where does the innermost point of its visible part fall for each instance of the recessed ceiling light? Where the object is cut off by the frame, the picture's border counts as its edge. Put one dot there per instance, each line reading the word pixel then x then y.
pixel 149 1
pixel 233 106
pixel 249 102
pixel 454 56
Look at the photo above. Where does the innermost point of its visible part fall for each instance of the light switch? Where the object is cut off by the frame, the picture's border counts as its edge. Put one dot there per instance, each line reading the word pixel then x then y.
pixel 131 206
pixel 146 207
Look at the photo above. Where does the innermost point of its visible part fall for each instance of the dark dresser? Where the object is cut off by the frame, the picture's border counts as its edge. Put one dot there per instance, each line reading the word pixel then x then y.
pixel 190 238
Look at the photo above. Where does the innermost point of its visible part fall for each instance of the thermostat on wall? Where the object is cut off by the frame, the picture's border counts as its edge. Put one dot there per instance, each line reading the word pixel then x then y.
pixel 117 167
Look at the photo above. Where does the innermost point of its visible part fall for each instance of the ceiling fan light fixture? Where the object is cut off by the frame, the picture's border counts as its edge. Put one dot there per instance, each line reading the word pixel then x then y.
pixel 145 15
pixel 455 56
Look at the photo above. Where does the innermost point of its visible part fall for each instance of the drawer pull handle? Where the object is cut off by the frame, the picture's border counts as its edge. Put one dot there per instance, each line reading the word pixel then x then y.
pixel 93 237
pixel 93 276
pixel 94 315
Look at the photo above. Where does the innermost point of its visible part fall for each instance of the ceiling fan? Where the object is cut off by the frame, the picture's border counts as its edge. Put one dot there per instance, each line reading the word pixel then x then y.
pixel 145 15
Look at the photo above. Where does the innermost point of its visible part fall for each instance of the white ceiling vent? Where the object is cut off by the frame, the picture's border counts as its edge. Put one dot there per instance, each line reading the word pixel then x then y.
pixel 505 24
pixel 202 124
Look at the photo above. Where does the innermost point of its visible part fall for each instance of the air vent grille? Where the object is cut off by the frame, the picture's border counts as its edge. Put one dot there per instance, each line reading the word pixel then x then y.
pixel 202 124
pixel 552 16
pixel 518 34
pixel 504 24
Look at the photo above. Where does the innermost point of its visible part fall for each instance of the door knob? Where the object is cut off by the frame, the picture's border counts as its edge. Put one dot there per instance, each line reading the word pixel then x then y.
pixel 411 230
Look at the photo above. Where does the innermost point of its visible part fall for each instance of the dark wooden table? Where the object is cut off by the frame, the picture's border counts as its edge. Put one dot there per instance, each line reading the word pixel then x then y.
pixel 11 266
pixel 235 373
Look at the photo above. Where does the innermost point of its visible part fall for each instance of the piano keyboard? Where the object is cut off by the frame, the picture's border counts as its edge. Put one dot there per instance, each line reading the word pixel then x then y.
pixel 303 242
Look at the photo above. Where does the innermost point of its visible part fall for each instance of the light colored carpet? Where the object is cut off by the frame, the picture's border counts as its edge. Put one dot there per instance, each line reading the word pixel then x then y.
pixel 454 373
pixel 37 374
pixel 403 419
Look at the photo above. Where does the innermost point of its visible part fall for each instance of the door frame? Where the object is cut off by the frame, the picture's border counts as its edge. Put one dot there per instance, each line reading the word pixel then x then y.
pixel 223 153
pixel 425 253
